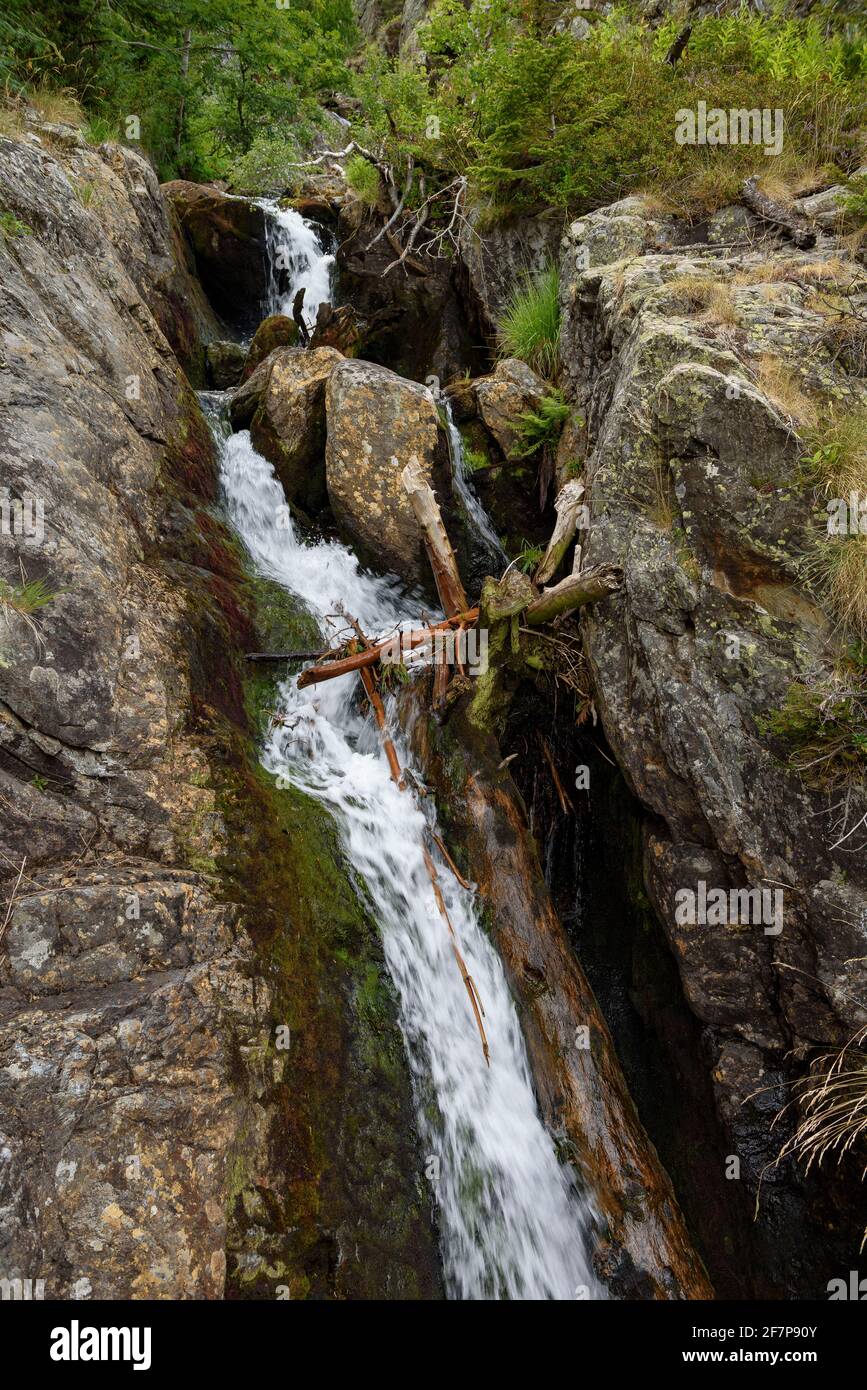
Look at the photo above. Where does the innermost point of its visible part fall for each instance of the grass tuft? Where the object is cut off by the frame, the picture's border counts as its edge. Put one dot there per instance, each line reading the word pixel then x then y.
pixel 529 326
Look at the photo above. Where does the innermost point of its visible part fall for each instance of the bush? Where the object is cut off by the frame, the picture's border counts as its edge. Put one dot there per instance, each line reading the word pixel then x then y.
pixel 269 166
pixel 363 179
pixel 537 119
pixel 825 723
pixel 529 326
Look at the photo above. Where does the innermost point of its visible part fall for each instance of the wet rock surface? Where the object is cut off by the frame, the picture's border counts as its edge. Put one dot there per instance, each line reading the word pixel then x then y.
pixel 226 240
pixel 283 403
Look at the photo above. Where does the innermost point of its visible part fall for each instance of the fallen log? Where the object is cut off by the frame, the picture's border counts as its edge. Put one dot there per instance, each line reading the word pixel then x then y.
pixel 794 224
pixel 566 504
pixel 573 592
pixel 436 541
pixel 282 656
pixel 356 661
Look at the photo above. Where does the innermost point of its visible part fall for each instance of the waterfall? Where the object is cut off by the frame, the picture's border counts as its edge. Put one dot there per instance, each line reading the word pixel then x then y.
pixel 296 260
pixel 464 488
pixel 513 1224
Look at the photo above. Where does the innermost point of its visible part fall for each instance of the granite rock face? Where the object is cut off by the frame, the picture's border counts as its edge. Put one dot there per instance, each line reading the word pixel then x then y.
pixel 692 463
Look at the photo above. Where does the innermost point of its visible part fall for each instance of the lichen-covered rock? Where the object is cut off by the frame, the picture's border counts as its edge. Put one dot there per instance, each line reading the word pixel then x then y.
pixel 283 403
pixel 495 261
pixel 376 422
pixel 277 330
pixel 503 398
pixel 227 239
pixel 695 489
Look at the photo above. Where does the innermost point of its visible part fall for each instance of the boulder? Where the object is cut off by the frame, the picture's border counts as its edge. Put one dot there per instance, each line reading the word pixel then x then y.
pixel 376 421
pixel 227 239
pixel 508 393
pixel 225 362
pixel 276 331
pixel 283 403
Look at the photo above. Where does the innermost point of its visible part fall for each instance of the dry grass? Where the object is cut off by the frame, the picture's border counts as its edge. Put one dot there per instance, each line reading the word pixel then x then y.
pixel 662 509
pixel 836 453
pixel 832 1100
pixel 792 270
pixel 782 387
pixel 702 293
pixel 845 582
pixel 56 105
pixel 12 123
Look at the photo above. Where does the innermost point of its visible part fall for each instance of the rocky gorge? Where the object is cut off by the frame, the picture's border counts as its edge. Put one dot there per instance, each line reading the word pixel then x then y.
pixel 214 1075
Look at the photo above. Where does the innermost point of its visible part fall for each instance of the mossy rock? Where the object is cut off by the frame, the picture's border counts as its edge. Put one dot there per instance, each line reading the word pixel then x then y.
pixel 276 331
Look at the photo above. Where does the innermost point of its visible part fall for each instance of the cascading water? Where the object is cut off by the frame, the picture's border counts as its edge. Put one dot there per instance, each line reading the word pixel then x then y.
pixel 513 1224
pixel 464 487
pixel 297 261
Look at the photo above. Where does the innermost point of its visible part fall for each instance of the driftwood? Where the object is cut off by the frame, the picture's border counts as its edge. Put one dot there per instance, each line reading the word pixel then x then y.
pixel 436 540
pixel 769 210
pixel 282 656
pixel 371 655
pixel 566 505
pixel 298 316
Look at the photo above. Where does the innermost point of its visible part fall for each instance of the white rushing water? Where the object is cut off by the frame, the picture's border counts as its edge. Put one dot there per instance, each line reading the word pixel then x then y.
pixel 297 261
pixel 512 1223
pixel 461 478
pixel 511 1220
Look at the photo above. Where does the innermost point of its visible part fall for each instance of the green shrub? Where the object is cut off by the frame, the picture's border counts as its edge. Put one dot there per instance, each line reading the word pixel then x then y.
pixel 529 326
pixel 269 166
pixel 825 723
pixel 10 227
pixel 540 429
pixel 537 119
pixel 363 179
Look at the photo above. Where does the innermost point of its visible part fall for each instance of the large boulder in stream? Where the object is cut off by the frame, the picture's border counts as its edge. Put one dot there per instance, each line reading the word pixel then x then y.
pixel 376 422
pixel 283 404
pixel 227 239
pixel 275 331
pixel 511 391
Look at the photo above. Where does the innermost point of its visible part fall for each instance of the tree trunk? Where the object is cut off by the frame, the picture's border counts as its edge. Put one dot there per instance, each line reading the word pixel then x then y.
pixel 566 505
pixel 437 544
